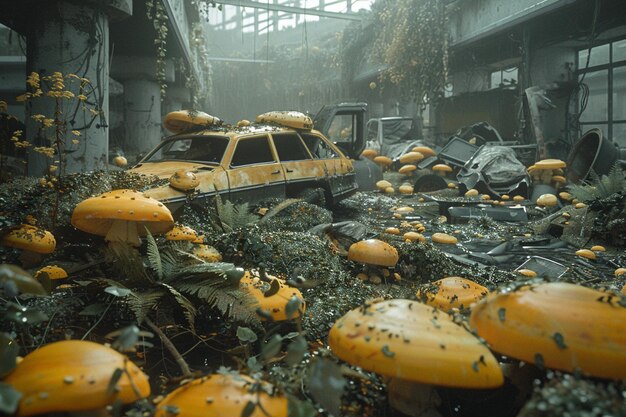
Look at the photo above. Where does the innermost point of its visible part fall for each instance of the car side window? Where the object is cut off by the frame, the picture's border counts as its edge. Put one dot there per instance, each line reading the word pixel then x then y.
pixel 318 147
pixel 290 147
pixel 372 129
pixel 254 150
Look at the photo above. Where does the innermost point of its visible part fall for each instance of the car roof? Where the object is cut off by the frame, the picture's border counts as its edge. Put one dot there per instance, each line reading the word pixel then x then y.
pixel 235 131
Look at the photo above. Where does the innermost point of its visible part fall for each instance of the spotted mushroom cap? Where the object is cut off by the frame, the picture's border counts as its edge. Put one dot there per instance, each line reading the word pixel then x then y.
pixel 74 375
pixel 373 252
pixel 181 232
pixel 221 395
pixel 208 253
pixel 557 325
pixel 275 305
pixel 412 341
pixel 96 214
pixel 52 271
pixel 184 180
pixel 453 292
pixel 30 238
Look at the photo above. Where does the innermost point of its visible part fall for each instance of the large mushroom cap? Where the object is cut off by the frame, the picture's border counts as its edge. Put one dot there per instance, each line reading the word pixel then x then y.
pixel 220 395
pixel 30 238
pixel 274 305
pixel 122 215
pixel 412 341
pixel 558 325
pixel 547 200
pixel 373 252
pixel 74 375
pixel 424 150
pixel 454 292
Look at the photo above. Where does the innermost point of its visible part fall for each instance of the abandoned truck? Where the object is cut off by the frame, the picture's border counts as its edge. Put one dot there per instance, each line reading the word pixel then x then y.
pixel 279 156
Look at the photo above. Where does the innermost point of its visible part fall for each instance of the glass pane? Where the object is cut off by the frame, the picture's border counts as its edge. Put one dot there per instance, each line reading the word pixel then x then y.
pixel 619 50
pixel 599 56
pixel 619 93
pixel 619 134
pixel 602 126
pixel 598 100
pixel 496 79
pixel 509 76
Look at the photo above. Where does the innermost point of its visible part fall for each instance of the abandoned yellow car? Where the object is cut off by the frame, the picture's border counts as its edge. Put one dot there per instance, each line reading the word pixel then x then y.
pixel 279 156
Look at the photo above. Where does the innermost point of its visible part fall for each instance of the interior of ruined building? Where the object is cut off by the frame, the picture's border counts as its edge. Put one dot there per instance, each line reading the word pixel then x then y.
pixel 359 208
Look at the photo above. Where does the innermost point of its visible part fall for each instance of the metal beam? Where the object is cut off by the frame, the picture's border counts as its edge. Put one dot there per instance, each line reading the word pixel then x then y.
pixel 247 60
pixel 292 9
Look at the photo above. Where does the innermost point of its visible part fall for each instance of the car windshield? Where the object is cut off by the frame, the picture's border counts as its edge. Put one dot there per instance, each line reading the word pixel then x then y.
pixel 397 130
pixel 205 149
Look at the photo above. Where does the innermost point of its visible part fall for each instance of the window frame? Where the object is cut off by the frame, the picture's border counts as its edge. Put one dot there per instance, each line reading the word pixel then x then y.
pixel 610 67
pixel 252 137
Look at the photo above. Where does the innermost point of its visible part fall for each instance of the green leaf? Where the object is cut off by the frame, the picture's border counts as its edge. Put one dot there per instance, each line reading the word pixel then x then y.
pixel 293 305
pixel 115 378
pixel 9 399
pixel 248 409
pixel 24 282
pixel 298 408
pixel 8 354
pixel 25 315
pixel 296 350
pixel 271 348
pixel 326 384
pixel 117 291
pixel 245 335
pixel 253 365
pixel 154 257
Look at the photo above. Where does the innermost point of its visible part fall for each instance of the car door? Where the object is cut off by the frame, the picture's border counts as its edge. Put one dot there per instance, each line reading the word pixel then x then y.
pixel 301 170
pixel 339 171
pixel 254 172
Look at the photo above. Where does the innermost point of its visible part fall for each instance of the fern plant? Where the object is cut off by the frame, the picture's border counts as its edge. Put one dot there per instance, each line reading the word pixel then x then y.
pixel 230 217
pixel 602 187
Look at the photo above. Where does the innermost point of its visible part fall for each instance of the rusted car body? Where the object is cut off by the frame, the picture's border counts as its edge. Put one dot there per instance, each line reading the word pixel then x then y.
pixel 250 164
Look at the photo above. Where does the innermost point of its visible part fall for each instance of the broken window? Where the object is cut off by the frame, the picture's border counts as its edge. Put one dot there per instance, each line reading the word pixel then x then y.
pixel 290 147
pixel 254 150
pixel 602 97
pixel 318 147
pixel 503 77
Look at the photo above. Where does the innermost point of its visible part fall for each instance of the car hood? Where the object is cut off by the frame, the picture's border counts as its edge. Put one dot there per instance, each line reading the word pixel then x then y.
pixel 166 169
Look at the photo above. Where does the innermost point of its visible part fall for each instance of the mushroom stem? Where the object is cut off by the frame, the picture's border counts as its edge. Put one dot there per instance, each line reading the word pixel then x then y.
pixel 182 364
pixel 123 231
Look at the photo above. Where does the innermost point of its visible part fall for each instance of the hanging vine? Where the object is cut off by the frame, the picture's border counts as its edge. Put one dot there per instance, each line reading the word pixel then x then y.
pixel 155 11
pixel 409 39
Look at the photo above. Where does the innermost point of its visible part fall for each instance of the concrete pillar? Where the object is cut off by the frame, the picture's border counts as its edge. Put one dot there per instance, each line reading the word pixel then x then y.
pixel 142 114
pixel 56 42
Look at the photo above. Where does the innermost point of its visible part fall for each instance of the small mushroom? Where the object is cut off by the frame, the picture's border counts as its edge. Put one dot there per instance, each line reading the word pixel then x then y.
pixel 224 395
pixel 407 169
pixel 413 237
pixel 382 185
pixel 273 302
pixel 565 196
pixel 442 169
pixel 444 238
pixel 207 253
pixel 424 150
pixel 33 242
pixel 75 375
pixel 557 325
pixel 598 248
pixel 411 157
pixel 547 200
pixel 181 233
pixel 52 272
pixel 183 180
pixel 122 216
pixel 406 189
pixel 453 293
pixel 542 171
pixel 518 198
pixel 120 161
pixel 369 153
pixel 383 161
pixel 527 272
pixel 392 231
pixel 619 272
pixel 472 192
pixel 586 253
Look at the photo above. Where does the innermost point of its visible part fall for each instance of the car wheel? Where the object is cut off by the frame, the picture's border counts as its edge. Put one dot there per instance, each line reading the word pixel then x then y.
pixel 313 195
